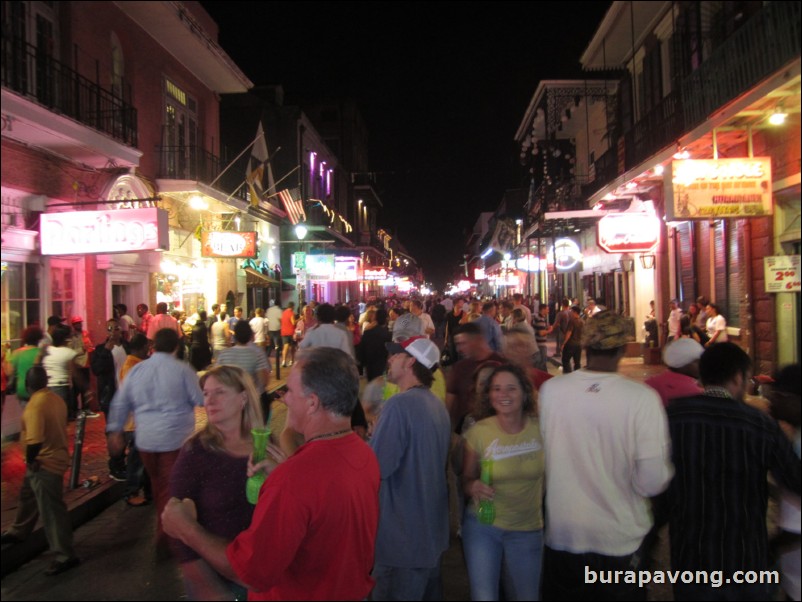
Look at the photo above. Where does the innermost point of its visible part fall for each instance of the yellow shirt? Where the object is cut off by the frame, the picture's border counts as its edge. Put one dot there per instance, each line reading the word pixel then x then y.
pixel 45 421
pixel 438 386
pixel 517 474
pixel 130 362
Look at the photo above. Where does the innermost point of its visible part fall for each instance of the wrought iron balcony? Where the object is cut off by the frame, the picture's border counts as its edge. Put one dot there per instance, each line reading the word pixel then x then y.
pixel 188 163
pixel 769 40
pixel 34 74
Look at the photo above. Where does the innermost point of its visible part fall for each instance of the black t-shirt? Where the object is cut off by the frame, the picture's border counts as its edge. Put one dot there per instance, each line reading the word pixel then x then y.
pixel 452 322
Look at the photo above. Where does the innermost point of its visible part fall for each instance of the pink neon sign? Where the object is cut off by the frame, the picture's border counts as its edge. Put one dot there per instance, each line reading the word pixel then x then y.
pixel 122 231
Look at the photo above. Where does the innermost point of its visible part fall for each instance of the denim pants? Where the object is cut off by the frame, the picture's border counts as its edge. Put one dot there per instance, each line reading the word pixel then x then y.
pixel 401 583
pixel 493 554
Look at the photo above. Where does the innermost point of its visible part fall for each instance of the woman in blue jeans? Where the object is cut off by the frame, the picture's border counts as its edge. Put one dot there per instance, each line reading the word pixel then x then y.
pixel 508 436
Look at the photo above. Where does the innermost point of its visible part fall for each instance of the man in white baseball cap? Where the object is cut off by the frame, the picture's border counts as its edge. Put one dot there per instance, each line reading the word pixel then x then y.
pixel 681 379
pixel 411 442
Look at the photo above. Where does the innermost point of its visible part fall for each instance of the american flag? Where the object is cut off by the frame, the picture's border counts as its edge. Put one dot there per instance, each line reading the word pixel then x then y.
pixel 293 205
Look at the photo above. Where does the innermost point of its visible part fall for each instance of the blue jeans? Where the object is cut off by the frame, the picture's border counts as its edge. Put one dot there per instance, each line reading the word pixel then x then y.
pixel 401 583
pixel 492 554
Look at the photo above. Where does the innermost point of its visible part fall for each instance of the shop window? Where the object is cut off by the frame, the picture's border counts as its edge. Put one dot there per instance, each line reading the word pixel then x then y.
pixel 686 266
pixel 62 287
pixel 20 300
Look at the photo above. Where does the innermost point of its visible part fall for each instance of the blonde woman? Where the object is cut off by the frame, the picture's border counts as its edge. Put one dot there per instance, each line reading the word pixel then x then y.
pixel 211 470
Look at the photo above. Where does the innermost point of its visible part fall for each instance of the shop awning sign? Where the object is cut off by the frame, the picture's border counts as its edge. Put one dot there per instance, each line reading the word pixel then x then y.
pixel 718 188
pixel 91 232
pixel 629 232
pixel 225 244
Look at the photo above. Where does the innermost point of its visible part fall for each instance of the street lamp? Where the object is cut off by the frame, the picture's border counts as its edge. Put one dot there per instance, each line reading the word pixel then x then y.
pixel 301 230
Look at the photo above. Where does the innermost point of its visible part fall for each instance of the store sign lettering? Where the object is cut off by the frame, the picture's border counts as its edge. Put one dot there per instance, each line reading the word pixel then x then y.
pixel 228 244
pixel 715 188
pixel 375 275
pixel 90 232
pixel 629 233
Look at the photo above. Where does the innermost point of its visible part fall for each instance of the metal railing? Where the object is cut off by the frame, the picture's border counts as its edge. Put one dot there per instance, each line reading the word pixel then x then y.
pixel 769 40
pixel 188 163
pixel 32 73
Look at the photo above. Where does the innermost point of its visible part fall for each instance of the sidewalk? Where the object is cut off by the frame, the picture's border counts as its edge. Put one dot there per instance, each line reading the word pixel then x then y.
pixel 83 503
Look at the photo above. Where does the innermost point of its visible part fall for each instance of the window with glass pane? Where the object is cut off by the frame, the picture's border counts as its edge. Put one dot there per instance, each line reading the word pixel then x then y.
pixel 62 292
pixel 20 301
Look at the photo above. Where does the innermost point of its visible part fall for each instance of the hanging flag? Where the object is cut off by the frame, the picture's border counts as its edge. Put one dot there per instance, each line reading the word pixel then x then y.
pixel 293 205
pixel 259 167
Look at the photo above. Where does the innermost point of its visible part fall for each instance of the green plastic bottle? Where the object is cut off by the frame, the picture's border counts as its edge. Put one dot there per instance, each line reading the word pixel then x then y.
pixel 486 513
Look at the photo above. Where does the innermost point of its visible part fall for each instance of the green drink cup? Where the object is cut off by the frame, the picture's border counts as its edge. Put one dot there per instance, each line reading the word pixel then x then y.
pixel 261 437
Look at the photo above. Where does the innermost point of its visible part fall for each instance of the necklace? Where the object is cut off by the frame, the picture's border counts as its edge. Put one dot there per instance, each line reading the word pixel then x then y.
pixel 329 435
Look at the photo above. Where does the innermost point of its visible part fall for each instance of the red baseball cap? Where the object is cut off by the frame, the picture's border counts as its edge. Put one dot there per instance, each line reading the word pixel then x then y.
pixel 76 320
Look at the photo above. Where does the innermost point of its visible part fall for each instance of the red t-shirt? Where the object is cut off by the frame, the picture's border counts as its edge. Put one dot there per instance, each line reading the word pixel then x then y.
pixel 313 532
pixel 287 326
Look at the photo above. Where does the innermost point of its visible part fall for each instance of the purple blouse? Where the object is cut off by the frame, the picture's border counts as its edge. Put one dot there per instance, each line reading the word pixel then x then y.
pixel 215 481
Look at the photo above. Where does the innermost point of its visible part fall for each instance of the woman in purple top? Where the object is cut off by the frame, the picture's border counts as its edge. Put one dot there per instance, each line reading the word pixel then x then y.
pixel 211 470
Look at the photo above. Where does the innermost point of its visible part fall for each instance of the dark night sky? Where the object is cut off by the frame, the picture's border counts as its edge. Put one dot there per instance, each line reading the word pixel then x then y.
pixel 442 86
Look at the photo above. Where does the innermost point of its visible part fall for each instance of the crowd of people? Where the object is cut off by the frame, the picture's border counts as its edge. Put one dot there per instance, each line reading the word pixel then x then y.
pixel 558 475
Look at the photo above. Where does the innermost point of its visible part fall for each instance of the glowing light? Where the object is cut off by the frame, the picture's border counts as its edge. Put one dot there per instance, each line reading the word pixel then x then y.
pixel 778 116
pixel 196 202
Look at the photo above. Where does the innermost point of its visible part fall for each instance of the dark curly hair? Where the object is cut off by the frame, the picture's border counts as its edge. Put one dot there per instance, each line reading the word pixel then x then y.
pixel 486 409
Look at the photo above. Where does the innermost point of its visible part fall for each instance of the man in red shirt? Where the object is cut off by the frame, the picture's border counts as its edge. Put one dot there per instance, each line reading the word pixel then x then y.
pixel 287 330
pixel 314 528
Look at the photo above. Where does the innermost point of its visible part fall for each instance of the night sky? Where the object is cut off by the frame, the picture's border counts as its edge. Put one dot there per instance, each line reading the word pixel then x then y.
pixel 442 87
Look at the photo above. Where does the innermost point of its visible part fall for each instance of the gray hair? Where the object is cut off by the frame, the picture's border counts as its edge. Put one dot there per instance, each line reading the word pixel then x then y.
pixel 331 374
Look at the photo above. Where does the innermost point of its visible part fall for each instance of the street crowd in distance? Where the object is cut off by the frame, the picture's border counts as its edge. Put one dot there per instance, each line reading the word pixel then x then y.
pixel 562 482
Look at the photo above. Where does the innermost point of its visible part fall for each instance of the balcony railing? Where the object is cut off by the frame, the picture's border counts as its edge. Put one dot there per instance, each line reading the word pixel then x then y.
pixel 762 46
pixel 765 43
pixel 188 163
pixel 32 73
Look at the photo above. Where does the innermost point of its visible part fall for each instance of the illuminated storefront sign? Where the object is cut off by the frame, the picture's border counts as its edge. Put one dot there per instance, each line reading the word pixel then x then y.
pixel 530 263
pixel 564 255
pixel 228 244
pixel 375 275
pixel 320 267
pixel 479 274
pixel 124 231
pixel 628 232
pixel 715 188
pixel 346 269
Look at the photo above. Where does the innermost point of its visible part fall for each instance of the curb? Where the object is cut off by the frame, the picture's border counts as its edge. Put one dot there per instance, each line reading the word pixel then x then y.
pixel 81 511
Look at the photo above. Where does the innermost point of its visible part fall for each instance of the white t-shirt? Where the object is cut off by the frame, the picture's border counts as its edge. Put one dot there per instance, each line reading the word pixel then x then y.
pixel 673 322
pixel 596 427
pixel 56 362
pixel 259 327
pixel 426 320
pixel 717 323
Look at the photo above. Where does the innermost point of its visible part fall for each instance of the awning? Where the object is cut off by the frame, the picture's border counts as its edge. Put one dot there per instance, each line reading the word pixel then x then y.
pixel 256 278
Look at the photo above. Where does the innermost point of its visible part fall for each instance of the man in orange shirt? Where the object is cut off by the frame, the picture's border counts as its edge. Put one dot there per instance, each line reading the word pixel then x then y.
pixel 287 330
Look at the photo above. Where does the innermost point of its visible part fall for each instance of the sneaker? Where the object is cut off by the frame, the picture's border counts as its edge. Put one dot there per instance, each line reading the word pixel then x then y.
pixel 59 566
pixel 118 475
pixel 91 414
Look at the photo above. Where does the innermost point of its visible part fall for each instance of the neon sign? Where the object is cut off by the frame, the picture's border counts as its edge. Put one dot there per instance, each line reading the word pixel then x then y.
pixel 565 254
pixel 629 232
pixel 90 232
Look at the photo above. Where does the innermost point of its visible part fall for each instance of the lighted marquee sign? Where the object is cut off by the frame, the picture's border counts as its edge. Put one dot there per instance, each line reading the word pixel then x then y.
pixel 716 188
pixel 346 269
pixel 123 231
pixel 530 263
pixel 564 255
pixel 375 275
pixel 320 267
pixel 479 274
pixel 628 232
pixel 228 244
